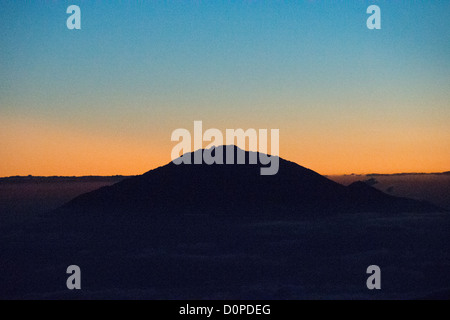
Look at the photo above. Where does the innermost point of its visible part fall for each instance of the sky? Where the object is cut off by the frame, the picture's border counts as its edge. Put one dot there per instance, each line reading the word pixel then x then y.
pixel 105 99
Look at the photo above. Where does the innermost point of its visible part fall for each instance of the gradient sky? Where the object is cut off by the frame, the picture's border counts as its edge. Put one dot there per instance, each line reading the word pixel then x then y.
pixel 105 99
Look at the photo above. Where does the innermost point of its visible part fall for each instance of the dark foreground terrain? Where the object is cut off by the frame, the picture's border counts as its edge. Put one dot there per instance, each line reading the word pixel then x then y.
pixel 221 232
pixel 201 257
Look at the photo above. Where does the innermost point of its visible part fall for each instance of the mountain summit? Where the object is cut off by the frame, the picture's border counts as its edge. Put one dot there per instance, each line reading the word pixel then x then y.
pixel 239 189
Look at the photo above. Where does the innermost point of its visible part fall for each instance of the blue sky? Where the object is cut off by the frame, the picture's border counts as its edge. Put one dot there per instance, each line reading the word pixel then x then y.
pixel 300 66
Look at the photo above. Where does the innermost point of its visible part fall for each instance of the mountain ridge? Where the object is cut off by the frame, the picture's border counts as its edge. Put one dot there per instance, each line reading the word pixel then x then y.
pixel 239 189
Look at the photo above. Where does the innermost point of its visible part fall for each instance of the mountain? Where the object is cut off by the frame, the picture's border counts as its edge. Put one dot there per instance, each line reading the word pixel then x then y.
pixel 238 190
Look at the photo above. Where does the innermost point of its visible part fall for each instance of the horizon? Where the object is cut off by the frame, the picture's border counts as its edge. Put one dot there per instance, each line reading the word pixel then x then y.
pixel 104 100
pixel 325 175
pixel 236 146
pixel 246 150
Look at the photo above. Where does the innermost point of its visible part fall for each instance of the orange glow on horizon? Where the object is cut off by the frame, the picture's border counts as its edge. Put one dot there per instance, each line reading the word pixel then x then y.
pixel 40 149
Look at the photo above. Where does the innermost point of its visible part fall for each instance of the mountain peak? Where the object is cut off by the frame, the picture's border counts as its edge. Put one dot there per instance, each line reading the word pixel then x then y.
pixel 238 189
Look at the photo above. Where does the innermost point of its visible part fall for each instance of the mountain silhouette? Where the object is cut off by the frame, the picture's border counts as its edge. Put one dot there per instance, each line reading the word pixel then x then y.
pixel 239 189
